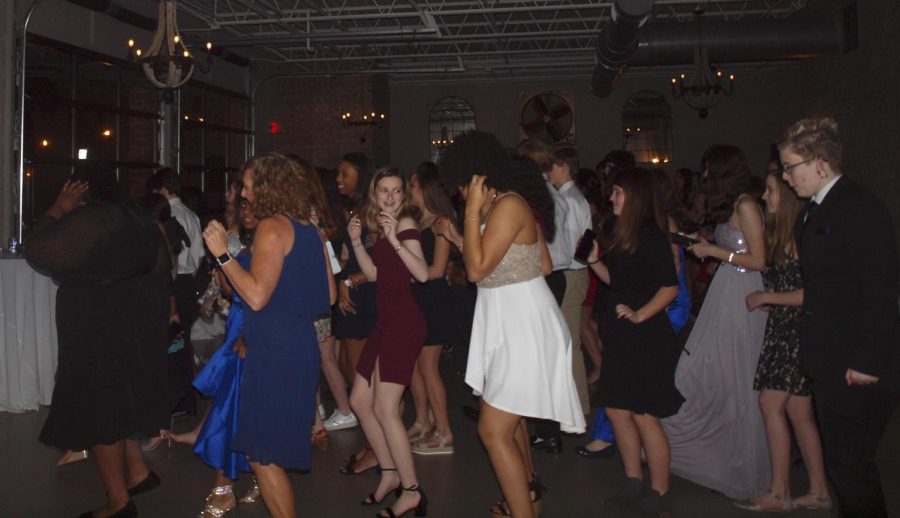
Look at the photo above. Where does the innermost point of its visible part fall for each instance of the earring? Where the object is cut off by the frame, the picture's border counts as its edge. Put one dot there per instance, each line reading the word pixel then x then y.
pixel 822 174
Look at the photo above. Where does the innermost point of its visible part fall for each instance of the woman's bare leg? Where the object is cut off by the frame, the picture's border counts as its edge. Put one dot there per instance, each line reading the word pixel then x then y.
pixel 497 429
pixel 110 463
pixel 591 342
pixel 800 411
pixel 629 440
pixel 429 367
pixel 362 400
pixel 275 489
pixel 420 400
pixel 656 446
pixel 333 376
pixel 772 404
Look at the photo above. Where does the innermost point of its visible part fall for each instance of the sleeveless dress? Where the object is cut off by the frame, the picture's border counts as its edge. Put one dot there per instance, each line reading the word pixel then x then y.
pixel 400 328
pixel 717 438
pixel 639 359
pixel 220 379
pixel 779 361
pixel 356 326
pixel 520 352
pixel 434 299
pixel 279 375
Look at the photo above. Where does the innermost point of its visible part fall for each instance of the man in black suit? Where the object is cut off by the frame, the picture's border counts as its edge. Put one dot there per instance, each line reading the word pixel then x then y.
pixel 848 334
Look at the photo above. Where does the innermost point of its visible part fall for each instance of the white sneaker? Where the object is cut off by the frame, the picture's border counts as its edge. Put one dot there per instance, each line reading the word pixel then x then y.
pixel 338 421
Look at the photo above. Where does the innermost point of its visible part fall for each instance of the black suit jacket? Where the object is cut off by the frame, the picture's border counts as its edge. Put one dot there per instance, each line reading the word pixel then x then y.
pixel 848 260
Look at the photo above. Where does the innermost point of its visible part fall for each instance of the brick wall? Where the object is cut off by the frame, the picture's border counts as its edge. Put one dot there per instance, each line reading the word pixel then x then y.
pixel 308 113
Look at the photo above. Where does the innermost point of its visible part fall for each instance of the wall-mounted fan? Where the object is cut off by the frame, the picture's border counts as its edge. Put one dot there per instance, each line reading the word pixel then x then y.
pixel 547 117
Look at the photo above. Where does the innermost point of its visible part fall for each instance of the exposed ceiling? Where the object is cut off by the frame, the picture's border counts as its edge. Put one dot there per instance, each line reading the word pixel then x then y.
pixel 425 39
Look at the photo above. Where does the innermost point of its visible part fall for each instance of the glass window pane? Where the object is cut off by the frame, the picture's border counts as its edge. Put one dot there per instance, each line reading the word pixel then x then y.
pixel 237 150
pixel 96 82
pixel 237 113
pixel 647 128
pixel 48 111
pixel 191 145
pixel 96 132
pixel 214 149
pixel 138 139
pixel 215 108
pixel 137 94
pixel 42 184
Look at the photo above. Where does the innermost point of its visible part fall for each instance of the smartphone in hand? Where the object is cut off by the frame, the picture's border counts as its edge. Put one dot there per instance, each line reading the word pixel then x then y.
pixel 683 239
pixel 585 245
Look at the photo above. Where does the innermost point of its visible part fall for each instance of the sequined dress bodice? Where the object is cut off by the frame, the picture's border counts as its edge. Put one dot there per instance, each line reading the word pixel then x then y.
pixel 521 263
pixel 732 239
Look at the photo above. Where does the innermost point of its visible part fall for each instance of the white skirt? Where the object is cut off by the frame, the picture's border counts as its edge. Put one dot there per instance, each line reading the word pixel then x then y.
pixel 520 354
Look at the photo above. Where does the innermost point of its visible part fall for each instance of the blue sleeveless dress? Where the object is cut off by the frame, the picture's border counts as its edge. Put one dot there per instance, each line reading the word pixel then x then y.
pixel 220 379
pixel 281 370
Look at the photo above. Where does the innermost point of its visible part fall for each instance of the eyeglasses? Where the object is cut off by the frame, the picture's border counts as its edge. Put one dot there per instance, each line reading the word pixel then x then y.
pixel 787 168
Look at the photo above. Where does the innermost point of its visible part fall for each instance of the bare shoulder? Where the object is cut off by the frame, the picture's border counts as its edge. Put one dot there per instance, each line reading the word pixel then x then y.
pixel 406 223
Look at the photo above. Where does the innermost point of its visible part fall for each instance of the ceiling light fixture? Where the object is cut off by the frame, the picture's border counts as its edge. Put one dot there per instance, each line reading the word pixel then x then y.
pixel 168 63
pixel 372 118
pixel 708 84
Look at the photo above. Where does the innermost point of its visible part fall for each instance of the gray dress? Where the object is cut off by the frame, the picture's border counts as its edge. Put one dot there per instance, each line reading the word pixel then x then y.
pixel 717 437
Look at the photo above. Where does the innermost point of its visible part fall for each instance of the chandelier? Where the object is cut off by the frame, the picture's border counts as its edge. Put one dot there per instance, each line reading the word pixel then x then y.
pixel 707 85
pixel 363 118
pixel 441 144
pixel 168 63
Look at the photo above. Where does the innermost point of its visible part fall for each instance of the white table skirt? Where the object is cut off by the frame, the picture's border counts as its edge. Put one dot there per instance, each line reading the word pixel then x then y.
pixel 28 342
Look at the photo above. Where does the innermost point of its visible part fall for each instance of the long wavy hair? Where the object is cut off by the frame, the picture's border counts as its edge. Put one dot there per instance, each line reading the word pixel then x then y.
pixel 436 200
pixel 780 235
pixel 727 177
pixel 528 183
pixel 317 201
pixel 638 210
pixel 279 187
pixel 371 212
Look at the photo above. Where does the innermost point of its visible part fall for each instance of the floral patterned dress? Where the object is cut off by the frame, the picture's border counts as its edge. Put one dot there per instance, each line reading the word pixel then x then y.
pixel 779 361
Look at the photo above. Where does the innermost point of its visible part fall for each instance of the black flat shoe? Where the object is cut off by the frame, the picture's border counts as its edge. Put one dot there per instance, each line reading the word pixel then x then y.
pixel 129 511
pixel 605 453
pixel 548 444
pixel 150 482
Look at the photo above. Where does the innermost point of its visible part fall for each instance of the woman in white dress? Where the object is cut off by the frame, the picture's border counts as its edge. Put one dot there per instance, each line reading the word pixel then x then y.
pixel 717 438
pixel 520 351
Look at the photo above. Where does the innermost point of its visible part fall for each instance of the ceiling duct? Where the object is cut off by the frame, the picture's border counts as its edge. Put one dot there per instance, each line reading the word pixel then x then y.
pixel 667 44
pixel 673 44
pixel 617 42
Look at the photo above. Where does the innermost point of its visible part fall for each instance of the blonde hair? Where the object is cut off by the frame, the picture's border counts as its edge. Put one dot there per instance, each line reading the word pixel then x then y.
pixel 537 152
pixel 814 138
pixel 372 210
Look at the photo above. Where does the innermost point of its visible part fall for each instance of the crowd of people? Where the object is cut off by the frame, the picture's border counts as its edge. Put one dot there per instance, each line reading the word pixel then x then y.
pixel 700 316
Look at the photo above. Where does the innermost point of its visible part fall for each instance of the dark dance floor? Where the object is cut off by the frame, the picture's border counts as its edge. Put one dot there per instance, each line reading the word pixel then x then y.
pixel 458 485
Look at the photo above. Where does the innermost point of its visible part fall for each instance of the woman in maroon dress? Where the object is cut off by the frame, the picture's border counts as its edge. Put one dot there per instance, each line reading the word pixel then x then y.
pixel 387 361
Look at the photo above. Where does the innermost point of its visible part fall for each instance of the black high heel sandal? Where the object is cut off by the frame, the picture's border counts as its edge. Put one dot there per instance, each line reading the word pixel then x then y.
pixel 421 509
pixel 535 487
pixel 372 500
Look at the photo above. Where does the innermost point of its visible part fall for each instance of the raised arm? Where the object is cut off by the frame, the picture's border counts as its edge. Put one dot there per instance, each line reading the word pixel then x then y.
pixel 274 237
pixel 354 232
pixel 483 253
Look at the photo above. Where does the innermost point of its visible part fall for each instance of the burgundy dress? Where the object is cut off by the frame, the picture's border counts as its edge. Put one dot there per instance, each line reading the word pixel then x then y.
pixel 400 327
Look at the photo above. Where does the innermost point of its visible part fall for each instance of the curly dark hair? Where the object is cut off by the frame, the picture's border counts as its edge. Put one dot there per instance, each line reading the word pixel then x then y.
pixel 279 187
pixel 528 183
pixel 727 177
pixel 476 152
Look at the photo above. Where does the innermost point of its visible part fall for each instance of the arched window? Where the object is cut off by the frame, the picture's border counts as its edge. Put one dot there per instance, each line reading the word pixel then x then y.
pixel 647 128
pixel 448 118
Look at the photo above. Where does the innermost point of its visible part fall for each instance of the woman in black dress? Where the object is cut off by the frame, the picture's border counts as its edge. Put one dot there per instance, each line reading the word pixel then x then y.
pixel 784 390
pixel 637 377
pixel 112 316
pixel 434 298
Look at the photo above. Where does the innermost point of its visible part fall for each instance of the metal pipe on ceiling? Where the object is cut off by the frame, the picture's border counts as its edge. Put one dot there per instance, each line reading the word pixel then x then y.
pixel 617 42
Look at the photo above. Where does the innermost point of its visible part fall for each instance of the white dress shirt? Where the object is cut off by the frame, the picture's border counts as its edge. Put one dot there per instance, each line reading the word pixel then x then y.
pixel 561 250
pixel 819 197
pixel 578 220
pixel 189 258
